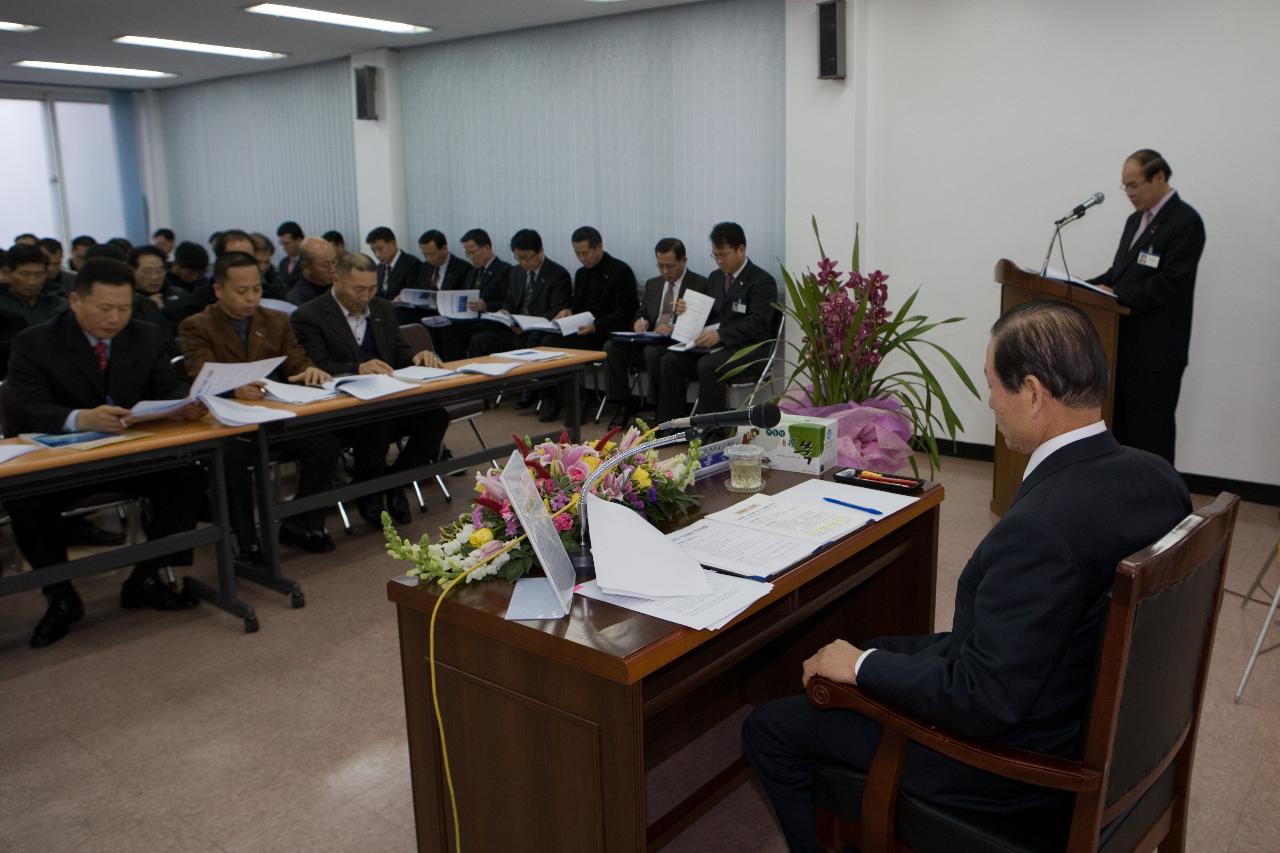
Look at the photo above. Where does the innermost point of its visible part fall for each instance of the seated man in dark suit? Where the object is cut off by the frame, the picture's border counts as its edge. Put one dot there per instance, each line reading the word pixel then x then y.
pixel 57 279
pixel 488 275
pixel 350 331
pixel 663 302
pixel 187 272
pixel 396 270
pixel 273 286
pixel 290 235
pixel 1030 606
pixel 744 295
pixel 236 329
pixel 317 266
pixel 24 292
pixel 441 271
pixel 603 285
pixel 539 286
pixel 83 371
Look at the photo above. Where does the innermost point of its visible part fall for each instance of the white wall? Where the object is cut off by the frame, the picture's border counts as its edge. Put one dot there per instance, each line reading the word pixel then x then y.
pixel 379 155
pixel 984 121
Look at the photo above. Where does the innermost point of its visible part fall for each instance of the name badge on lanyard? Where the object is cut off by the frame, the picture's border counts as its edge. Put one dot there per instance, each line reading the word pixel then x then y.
pixel 739 307
pixel 1148 259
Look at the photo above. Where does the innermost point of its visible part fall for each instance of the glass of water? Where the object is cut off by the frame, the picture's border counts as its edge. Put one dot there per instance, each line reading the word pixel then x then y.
pixel 744 467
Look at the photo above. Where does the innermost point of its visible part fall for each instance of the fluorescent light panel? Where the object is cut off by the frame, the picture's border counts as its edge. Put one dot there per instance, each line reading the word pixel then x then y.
pixel 280 10
pixel 198 47
pixel 92 69
pixel 14 27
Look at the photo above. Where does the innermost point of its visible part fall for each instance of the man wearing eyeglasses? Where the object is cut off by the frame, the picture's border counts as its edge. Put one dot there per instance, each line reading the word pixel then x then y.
pixel 1154 276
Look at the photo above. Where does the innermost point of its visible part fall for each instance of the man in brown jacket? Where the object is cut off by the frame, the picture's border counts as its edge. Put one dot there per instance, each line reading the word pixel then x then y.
pixel 236 329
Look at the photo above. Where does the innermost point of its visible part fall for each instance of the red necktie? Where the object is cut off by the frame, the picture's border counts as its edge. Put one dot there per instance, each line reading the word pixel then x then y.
pixel 100 350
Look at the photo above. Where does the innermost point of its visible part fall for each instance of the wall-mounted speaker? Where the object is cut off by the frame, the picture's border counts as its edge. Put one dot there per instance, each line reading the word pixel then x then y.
pixel 366 91
pixel 831 40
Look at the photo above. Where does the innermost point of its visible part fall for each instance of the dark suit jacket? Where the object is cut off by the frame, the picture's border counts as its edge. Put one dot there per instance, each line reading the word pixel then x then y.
pixel 286 277
pixel 608 291
pixel 325 334
pixel 303 291
pixel 552 290
pixel 403 274
pixel 491 281
pixel 652 303
pixel 210 336
pixel 1157 333
pixel 755 291
pixel 453 278
pixel 1031 604
pixel 52 370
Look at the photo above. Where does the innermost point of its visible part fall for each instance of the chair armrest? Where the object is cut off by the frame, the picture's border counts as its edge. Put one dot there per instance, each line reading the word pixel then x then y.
pixel 1032 768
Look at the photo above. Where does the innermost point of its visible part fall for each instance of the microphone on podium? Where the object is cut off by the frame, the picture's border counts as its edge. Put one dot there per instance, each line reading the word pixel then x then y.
pixel 760 415
pixel 1079 210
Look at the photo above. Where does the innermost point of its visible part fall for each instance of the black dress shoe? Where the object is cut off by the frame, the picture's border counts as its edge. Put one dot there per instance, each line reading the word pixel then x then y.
pixel 82 531
pixel 135 595
pixel 64 610
pixel 370 509
pixel 398 507
pixel 252 555
pixel 526 399
pixel 549 412
pixel 315 540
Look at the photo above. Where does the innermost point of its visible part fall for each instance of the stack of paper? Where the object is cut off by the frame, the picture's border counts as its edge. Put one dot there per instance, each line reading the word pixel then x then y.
pixel 369 386
pixel 287 392
pixel 417 298
pixel 417 373
pixel 570 325
pixel 82 440
pixel 453 303
pixel 488 368
pixel 640 569
pixel 281 305
pixel 530 355
pixel 13 451
pixel 154 410
pixel 697 308
pixel 233 414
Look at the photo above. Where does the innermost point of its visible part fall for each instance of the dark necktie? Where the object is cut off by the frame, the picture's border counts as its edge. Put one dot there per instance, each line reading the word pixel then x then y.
pixel 667 311
pixel 382 275
pixel 528 294
pixel 435 279
pixel 100 350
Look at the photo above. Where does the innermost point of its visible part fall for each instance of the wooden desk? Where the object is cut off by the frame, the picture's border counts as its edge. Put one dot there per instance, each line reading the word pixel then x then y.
pixel 551 725
pixel 344 412
pixel 168 445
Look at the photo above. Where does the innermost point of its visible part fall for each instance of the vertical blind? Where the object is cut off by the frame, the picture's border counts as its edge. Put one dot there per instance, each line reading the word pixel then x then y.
pixel 252 152
pixel 647 125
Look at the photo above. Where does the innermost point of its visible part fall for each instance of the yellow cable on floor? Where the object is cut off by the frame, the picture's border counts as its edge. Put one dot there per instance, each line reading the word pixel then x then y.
pixel 431 660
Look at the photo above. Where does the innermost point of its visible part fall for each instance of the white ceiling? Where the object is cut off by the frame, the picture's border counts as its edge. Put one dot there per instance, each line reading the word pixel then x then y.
pixel 81 31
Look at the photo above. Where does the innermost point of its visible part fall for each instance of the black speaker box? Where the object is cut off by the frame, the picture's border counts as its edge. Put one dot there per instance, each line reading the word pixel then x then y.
pixel 831 40
pixel 366 90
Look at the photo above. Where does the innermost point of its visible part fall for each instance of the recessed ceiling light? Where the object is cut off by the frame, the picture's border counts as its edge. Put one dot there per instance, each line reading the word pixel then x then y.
pixel 282 11
pixel 92 69
pixel 197 47
pixel 13 27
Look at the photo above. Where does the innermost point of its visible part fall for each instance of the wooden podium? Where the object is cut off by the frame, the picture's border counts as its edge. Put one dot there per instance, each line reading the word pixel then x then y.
pixel 1018 286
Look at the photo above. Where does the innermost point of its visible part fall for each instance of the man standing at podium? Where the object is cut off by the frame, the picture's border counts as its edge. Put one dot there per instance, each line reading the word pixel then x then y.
pixel 1154 276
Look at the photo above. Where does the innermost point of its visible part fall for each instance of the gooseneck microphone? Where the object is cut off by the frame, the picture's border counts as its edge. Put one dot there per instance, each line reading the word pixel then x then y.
pixel 1079 209
pixel 760 415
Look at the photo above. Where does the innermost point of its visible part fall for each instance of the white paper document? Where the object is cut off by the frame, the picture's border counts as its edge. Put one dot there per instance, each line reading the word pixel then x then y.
pixel 453 303
pixel 743 551
pixel 530 355
pixel 418 298
pixel 217 378
pixel 697 308
pixel 284 306
pixel 417 373
pixel 154 410
pixel 632 557
pixel 569 325
pixel 287 392
pixel 230 413
pixel 813 491
pixel 729 596
pixel 369 386
pixel 13 451
pixel 489 368
pixel 1059 275
pixel 816 522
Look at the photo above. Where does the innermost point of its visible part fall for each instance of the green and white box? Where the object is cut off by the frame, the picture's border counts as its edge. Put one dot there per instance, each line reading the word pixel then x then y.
pixel 797 443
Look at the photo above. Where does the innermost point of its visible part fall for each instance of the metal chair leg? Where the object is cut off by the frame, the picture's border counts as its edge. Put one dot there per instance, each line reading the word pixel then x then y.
pixel 346 520
pixel 1266 624
pixel 422 503
pixel 440 481
pixel 1257 581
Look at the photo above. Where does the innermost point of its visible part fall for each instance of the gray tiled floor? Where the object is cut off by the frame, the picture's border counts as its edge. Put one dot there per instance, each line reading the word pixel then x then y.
pixel 156 731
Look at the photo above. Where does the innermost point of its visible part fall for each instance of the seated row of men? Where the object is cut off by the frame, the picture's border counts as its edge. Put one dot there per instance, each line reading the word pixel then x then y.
pixel 85 369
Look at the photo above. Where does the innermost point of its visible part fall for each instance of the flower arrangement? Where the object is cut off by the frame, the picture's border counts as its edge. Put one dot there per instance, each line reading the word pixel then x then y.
pixel 488 541
pixel 847 333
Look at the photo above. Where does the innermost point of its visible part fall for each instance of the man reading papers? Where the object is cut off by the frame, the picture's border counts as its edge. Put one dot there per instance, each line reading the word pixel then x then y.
pixel 82 371
pixel 1030 604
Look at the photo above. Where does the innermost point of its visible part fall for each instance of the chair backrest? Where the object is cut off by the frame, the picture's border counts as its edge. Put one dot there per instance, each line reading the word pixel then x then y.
pixel 418 337
pixel 1155 655
pixel 8 427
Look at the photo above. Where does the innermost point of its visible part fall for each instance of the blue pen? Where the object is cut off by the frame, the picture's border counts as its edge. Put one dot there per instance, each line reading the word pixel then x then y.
pixel 853 506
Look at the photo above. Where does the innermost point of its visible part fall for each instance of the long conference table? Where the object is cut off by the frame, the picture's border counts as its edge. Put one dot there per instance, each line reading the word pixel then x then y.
pixel 168 445
pixel 551 726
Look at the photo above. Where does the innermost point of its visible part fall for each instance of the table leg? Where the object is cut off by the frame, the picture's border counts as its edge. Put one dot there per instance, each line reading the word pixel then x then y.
pixel 268 575
pixel 224 596
pixel 571 393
